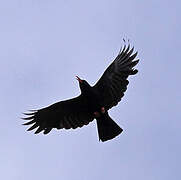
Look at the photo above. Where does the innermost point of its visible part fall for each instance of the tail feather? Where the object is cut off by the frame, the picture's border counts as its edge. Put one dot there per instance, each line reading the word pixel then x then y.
pixel 107 128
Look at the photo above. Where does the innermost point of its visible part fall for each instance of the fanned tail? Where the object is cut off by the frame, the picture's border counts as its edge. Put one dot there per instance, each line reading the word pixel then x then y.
pixel 107 128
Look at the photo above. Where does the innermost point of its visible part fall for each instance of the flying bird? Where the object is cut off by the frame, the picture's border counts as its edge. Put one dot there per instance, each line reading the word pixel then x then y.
pixel 94 102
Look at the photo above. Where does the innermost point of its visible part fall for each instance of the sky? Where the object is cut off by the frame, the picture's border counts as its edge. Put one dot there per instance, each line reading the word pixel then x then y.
pixel 44 44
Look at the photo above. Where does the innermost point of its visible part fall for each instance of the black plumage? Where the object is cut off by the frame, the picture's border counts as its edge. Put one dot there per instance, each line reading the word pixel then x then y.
pixel 93 102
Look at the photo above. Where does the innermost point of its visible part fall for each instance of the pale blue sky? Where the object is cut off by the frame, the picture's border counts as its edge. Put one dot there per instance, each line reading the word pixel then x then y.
pixel 44 44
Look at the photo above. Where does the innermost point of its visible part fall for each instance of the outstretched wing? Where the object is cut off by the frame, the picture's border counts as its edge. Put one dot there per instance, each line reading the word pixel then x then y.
pixel 113 82
pixel 67 114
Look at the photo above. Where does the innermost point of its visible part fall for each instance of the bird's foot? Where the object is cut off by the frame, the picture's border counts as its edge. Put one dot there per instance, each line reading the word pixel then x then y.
pixel 103 110
pixel 97 114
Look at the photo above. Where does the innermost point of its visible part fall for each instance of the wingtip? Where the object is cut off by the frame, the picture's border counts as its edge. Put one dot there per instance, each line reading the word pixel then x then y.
pixel 134 71
pixel 46 131
pixel 30 122
pixel 39 130
pixel 33 110
pixel 28 118
pixel 28 114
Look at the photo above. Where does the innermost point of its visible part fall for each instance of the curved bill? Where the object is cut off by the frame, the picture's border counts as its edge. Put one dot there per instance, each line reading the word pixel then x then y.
pixel 78 79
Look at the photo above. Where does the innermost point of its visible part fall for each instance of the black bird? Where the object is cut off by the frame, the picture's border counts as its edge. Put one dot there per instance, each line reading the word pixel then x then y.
pixel 93 102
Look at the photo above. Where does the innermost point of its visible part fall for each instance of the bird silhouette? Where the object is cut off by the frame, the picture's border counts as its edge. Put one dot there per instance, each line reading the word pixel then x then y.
pixel 93 102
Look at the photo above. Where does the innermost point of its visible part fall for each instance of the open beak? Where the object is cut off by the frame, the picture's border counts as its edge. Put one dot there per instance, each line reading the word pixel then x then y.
pixel 78 79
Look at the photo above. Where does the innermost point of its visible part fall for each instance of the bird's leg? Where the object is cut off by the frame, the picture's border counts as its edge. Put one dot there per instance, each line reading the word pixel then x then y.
pixel 103 110
pixel 97 114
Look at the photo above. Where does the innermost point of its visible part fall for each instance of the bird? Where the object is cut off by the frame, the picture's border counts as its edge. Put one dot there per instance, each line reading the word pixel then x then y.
pixel 93 103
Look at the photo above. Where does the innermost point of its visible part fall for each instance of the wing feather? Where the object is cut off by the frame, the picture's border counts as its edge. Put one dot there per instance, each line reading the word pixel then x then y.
pixel 67 114
pixel 113 83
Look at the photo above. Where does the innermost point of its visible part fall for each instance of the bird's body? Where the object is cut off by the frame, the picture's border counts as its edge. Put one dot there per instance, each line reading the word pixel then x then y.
pixel 93 102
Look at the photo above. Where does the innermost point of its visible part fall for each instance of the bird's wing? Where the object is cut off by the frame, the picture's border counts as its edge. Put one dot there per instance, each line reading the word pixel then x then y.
pixel 113 82
pixel 67 114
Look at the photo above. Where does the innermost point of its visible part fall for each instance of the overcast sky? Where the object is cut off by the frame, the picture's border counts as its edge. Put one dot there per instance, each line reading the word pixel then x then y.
pixel 44 44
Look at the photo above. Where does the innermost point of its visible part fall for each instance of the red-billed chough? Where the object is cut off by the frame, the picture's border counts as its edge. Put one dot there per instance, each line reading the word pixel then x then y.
pixel 93 102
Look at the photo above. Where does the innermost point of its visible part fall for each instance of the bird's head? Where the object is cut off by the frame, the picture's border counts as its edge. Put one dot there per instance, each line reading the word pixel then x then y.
pixel 83 84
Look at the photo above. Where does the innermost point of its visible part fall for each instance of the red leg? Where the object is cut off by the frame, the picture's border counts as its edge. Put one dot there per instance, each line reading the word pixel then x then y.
pixel 103 110
pixel 97 114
